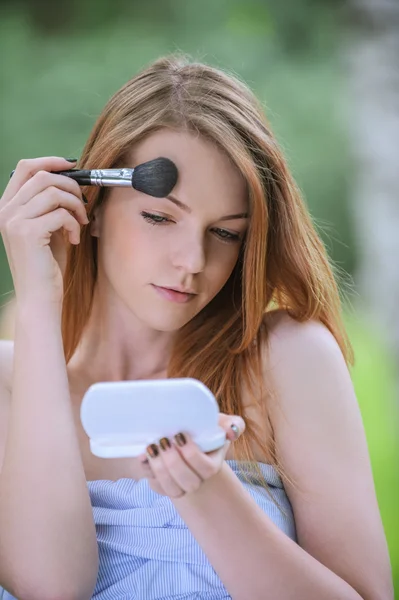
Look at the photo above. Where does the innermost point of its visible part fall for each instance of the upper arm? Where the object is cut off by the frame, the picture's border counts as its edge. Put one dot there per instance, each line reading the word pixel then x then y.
pixel 6 359
pixel 321 446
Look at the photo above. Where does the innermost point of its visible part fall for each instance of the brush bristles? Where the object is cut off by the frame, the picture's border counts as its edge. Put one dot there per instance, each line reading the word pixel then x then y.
pixel 156 177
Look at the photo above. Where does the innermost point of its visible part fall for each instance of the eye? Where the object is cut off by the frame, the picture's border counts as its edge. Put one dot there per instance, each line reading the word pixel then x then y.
pixel 227 236
pixel 154 219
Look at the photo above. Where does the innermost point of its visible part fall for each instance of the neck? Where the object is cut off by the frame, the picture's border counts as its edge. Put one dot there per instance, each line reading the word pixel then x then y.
pixel 116 346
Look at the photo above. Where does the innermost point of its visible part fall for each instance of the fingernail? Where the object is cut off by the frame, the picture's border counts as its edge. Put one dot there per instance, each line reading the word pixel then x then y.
pixel 165 443
pixel 146 461
pixel 71 159
pixel 235 430
pixel 153 451
pixel 85 200
pixel 180 439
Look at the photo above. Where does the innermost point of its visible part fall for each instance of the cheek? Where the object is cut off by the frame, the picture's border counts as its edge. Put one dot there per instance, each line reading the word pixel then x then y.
pixel 128 242
pixel 222 265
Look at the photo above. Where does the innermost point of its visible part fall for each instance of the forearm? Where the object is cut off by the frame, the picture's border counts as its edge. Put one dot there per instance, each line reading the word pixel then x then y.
pixel 251 555
pixel 47 533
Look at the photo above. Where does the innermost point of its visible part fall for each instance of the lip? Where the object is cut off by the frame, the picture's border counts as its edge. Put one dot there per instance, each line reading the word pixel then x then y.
pixel 174 295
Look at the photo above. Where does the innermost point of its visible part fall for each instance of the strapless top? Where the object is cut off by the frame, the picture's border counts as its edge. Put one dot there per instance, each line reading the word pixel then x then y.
pixel 146 550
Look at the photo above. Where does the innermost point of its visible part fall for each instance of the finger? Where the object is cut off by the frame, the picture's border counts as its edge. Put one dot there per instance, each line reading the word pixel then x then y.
pixel 233 432
pixel 51 199
pixel 220 453
pixel 233 425
pixel 171 471
pixel 55 220
pixel 27 168
pixel 181 471
pixel 156 487
pixel 203 465
pixel 42 181
pixel 146 470
pixel 167 484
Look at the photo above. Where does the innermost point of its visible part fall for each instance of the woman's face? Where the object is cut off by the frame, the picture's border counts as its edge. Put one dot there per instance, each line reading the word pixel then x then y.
pixel 190 242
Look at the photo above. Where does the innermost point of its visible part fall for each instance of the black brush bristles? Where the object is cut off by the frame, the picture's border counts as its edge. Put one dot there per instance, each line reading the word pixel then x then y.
pixel 156 177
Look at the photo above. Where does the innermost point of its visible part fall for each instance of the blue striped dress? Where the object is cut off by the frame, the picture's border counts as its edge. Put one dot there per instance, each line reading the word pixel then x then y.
pixel 146 550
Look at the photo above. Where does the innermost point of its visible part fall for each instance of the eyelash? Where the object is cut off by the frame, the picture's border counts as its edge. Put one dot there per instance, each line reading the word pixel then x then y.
pixel 159 220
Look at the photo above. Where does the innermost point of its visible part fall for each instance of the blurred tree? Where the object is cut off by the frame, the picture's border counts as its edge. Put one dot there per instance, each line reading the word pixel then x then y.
pixel 61 68
pixel 373 53
pixel 297 23
pixel 53 18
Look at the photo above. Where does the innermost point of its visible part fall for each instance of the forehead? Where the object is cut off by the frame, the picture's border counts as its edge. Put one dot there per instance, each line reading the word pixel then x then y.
pixel 205 171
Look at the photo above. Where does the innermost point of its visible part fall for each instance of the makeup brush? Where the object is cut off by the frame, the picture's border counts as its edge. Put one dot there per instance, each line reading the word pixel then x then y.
pixel 156 177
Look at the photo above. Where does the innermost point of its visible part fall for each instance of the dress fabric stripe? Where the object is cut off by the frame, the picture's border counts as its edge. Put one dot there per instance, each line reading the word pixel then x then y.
pixel 146 550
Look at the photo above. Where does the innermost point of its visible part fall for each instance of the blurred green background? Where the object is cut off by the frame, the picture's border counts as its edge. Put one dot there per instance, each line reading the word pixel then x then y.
pixel 63 60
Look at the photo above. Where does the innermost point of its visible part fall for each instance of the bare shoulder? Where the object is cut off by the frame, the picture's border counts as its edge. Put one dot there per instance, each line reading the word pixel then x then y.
pixel 311 385
pixel 287 334
pixel 309 377
pixel 322 449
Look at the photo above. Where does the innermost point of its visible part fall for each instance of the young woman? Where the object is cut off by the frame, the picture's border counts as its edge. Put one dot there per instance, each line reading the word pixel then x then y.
pixel 226 281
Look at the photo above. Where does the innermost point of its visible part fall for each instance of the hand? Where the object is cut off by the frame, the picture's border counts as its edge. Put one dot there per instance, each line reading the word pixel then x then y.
pixel 178 467
pixel 34 209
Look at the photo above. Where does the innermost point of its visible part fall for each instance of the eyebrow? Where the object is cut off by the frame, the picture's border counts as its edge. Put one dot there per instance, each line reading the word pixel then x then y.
pixel 187 209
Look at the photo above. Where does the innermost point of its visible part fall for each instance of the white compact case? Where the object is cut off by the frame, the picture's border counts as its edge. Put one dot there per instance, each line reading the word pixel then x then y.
pixel 122 418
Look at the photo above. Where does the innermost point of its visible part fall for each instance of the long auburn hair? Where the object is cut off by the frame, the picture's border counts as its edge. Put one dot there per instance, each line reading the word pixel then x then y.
pixel 282 265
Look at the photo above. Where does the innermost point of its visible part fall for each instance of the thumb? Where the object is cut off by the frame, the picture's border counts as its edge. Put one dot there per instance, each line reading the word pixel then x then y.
pixel 234 425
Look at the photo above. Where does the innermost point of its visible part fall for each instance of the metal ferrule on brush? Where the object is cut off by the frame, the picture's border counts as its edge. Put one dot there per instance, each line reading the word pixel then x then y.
pixel 111 177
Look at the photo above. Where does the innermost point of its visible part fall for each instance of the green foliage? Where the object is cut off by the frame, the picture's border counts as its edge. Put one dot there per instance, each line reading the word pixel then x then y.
pixel 55 82
pixel 374 380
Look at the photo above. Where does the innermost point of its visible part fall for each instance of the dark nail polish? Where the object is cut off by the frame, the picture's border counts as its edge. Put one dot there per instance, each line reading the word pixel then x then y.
pixel 180 439
pixel 153 451
pixel 85 200
pixel 72 159
pixel 235 430
pixel 165 443
pixel 146 461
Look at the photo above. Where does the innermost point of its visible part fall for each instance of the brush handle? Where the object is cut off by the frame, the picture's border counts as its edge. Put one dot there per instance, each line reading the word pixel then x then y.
pixel 100 177
pixel 82 176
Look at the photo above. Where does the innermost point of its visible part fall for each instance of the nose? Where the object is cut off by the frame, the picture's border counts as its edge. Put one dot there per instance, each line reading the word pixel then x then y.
pixel 189 254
